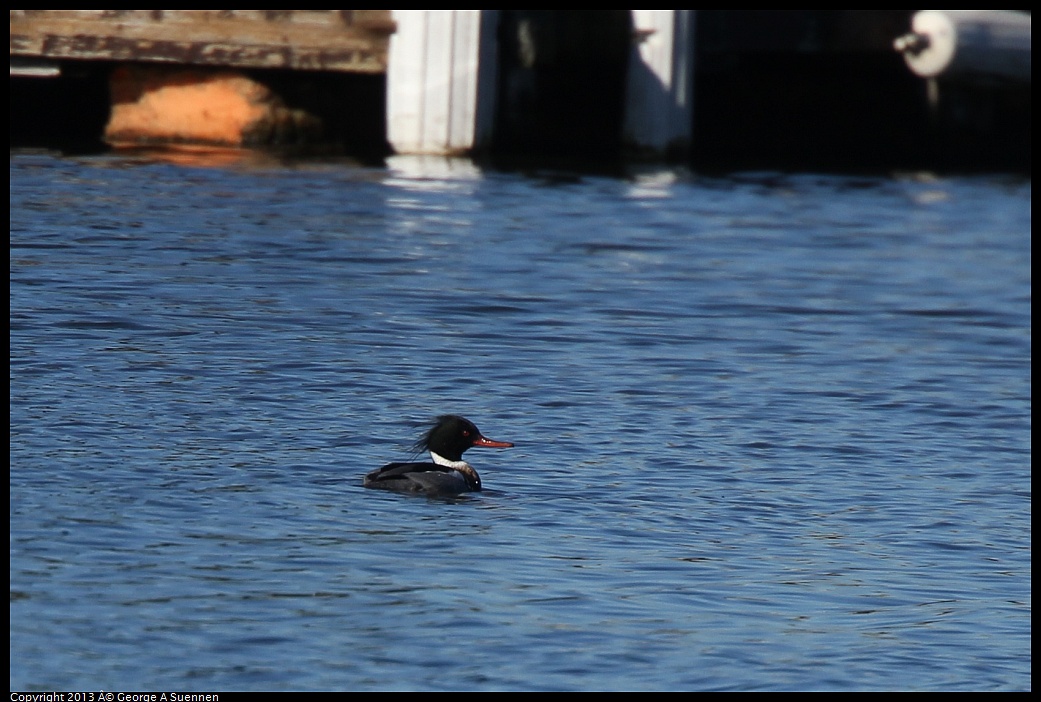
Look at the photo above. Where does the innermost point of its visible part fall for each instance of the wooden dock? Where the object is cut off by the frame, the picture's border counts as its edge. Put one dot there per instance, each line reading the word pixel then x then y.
pixel 723 88
pixel 305 40
pixel 209 76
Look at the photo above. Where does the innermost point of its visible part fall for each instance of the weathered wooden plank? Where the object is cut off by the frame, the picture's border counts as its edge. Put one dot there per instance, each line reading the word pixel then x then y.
pixel 330 40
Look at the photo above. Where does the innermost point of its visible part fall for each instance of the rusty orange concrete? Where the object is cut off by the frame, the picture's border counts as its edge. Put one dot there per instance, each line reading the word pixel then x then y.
pixel 153 105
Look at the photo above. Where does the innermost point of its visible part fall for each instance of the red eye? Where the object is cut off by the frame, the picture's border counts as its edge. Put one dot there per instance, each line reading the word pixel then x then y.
pixel 466 432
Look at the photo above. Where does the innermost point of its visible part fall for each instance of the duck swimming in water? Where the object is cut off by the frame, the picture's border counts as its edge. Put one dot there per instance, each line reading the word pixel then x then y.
pixel 449 474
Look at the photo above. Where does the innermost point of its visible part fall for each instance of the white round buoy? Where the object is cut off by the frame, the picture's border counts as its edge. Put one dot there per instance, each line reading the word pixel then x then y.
pixel 934 53
pixel 968 43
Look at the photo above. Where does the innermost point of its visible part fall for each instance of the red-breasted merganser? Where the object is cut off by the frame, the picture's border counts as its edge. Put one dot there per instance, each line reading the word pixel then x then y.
pixel 449 474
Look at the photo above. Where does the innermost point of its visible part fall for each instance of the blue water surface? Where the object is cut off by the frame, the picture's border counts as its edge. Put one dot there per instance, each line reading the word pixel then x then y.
pixel 772 430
